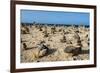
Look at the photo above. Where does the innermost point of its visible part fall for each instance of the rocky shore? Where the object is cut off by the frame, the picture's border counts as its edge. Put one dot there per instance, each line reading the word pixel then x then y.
pixel 40 43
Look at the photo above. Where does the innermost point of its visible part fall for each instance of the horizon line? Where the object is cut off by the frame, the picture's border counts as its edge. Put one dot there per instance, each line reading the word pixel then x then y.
pixel 30 23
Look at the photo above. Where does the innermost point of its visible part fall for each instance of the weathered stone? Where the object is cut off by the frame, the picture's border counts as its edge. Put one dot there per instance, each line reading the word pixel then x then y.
pixel 43 49
pixel 75 50
pixel 24 30
pixel 33 54
pixel 26 37
pixel 69 42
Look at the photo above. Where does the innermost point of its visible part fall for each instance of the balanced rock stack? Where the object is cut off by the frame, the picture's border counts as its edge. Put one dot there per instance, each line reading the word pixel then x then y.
pixel 34 53
pixel 50 43
pixel 31 48
pixel 74 45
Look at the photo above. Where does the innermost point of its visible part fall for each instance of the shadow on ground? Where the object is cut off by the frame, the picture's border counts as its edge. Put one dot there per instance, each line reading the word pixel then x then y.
pixel 84 52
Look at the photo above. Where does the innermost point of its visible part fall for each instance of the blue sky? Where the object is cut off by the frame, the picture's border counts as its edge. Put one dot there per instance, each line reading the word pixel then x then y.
pixel 54 17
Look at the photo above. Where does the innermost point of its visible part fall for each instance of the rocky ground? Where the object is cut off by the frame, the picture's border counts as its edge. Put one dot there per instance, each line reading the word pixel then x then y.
pixel 41 43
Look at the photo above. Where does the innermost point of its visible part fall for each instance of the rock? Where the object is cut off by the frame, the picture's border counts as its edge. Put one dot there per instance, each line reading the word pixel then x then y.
pixel 33 54
pixel 29 55
pixel 68 41
pixel 63 40
pixel 84 56
pixel 85 45
pixel 73 38
pixel 42 52
pixel 75 44
pixel 26 37
pixel 69 49
pixel 25 30
pixel 43 49
pixel 24 46
pixel 77 58
pixel 29 45
pixel 75 50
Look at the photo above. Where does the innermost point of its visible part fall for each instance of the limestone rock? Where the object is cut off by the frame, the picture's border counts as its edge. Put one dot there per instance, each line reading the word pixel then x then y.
pixel 69 43
pixel 75 50
pixel 43 49
pixel 73 38
pixel 33 54
pixel 25 30
pixel 26 37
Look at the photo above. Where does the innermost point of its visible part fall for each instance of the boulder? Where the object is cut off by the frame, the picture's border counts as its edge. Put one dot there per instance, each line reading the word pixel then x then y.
pixel 29 45
pixel 73 39
pixel 43 49
pixel 75 50
pixel 34 53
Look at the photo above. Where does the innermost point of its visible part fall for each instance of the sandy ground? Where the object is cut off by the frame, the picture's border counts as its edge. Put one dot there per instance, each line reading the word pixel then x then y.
pixel 40 43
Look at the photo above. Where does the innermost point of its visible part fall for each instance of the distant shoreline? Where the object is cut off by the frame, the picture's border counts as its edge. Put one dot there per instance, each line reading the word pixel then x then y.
pixel 42 24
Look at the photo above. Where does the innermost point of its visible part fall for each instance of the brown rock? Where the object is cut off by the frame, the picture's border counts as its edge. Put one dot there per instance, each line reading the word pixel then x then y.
pixel 75 50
